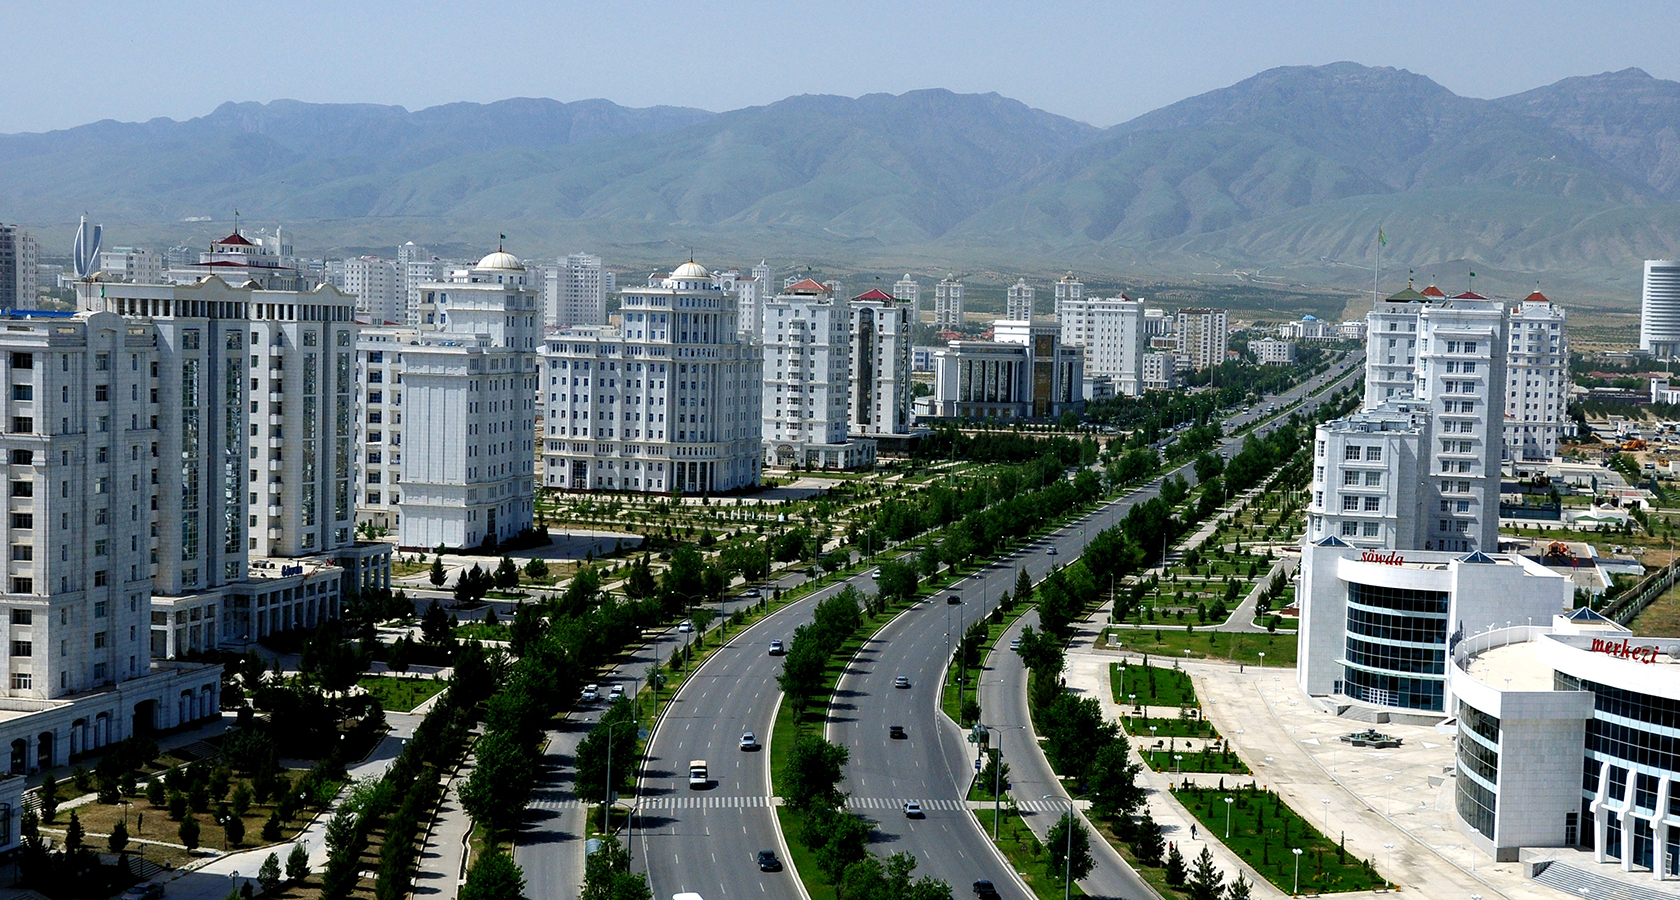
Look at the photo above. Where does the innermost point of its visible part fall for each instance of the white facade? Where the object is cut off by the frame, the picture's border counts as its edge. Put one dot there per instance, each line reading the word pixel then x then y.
pixel 1068 289
pixel 378 290
pixel 1026 373
pixel 1019 302
pixel 1537 379
pixel 19 275
pixel 417 272
pixel 948 303
pixel 1273 352
pixel 1203 335
pixel 807 380
pixel 1111 334
pixel 749 300
pixel 1659 311
pixel 909 292
pixel 880 384
pixel 1160 371
pixel 134 264
pixel 466 410
pixel 575 292
pixel 666 402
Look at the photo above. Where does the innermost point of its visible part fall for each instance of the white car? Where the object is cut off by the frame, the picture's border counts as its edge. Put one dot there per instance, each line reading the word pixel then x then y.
pixel 875 574
pixel 686 626
pixel 752 593
pixel 591 693
pixel 616 693
pixel 913 810
pixel 777 648
pixel 749 741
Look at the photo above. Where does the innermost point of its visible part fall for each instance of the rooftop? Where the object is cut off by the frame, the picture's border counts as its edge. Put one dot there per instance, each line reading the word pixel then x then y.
pixel 1512 667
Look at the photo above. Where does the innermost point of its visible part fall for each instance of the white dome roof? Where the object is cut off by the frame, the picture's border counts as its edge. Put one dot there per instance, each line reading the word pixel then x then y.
pixel 501 260
pixel 691 269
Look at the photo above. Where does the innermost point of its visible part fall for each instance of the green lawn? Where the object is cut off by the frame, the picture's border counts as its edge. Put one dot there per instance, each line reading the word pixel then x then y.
pixel 1024 852
pixel 1264 830
pixel 1170 728
pixel 1153 685
pixel 1204 761
pixel 481 631
pixel 948 698
pixel 1202 644
pixel 400 694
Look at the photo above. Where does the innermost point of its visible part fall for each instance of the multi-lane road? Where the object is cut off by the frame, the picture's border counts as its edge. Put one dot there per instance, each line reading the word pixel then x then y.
pixel 706 840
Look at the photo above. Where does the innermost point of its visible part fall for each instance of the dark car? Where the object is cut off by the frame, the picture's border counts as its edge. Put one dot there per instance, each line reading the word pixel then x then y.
pixel 953 599
pixel 1050 552
pixel 896 732
pixel 985 890
pixel 146 891
pixel 767 861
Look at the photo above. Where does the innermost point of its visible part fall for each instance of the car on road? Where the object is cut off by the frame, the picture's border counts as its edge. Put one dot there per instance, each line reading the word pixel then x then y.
pixel 901 682
pixel 875 574
pixel 896 732
pixel 749 741
pixel 751 593
pixel 591 693
pixel 767 861
pixel 913 810
pixel 985 890
pixel 953 599
pixel 147 891
pixel 616 693
pixel 1050 552
pixel 687 895
pixel 699 777
pixel 686 626
pixel 777 648
pixel 1015 644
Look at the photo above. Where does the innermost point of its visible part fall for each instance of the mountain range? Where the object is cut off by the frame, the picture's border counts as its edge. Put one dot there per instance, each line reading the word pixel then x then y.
pixel 1281 180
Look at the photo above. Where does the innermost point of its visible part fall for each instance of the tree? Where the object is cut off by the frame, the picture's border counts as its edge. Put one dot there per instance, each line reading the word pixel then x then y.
pixel 1175 867
pixel 1057 843
pixel 684 581
pixel 1023 587
pixel 73 835
pixel 49 798
pixel 496 791
pixel 118 841
pixel 402 650
pixel 1206 882
pixel 271 828
pixel 814 771
pixel 868 879
pixel 536 569
pixel 269 875
pixel 639 584
pixel 1239 889
pixel 437 575
pixel 1112 780
pixel 297 862
pixel 188 832
pixel 507 574
pixel 434 625
pixel 234 828
pixel 494 877
pixel 607 875
pixel 838 839
pixel 1074 731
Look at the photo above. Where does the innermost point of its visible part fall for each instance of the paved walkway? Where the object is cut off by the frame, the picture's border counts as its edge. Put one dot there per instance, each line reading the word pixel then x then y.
pixel 443 857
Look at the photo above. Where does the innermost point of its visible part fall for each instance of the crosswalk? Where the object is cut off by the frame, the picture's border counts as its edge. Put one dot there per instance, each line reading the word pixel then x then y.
pixel 736 801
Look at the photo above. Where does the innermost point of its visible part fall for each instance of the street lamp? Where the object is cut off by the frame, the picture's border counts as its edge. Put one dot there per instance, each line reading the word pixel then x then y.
pixel 1297 852
pixel 606 805
pixel 997 778
pixel 1390 780
pixel 1228 802
pixel 1262 659
pixel 1390 848
pixel 1326 802
pixel 1068 878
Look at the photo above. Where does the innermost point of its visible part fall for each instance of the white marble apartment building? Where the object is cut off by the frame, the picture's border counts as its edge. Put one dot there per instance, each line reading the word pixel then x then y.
pixel 575 292
pixel 1068 289
pixel 1273 352
pixel 1110 332
pixel 665 402
pixel 880 365
pixel 948 303
pixel 378 288
pixel 1018 302
pixel 1026 373
pixel 418 272
pixel 1203 335
pixel 132 264
pixel 465 410
pixel 19 272
pixel 1537 379
pixel 749 299
pixel 1160 371
pixel 807 379
pixel 379 424
pixel 907 291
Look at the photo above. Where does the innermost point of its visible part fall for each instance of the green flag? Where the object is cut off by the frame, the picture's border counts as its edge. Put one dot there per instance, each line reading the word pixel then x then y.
pixel 1381 239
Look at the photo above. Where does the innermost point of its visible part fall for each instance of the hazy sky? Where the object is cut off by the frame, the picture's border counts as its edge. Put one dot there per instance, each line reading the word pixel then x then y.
pixel 66 65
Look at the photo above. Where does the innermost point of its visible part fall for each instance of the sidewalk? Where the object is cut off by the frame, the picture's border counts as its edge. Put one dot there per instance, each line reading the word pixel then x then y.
pixel 442 865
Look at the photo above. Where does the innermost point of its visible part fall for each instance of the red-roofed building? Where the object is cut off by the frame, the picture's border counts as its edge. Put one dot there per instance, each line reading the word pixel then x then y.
pixel 807 286
pixel 1433 293
pixel 1469 295
pixel 874 294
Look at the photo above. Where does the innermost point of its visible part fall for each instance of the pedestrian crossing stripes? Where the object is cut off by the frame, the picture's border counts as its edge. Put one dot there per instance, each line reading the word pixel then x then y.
pixel 898 803
pixel 726 801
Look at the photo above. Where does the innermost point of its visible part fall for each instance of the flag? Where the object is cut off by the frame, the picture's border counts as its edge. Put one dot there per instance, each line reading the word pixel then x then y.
pixel 1381 239
pixel 504 237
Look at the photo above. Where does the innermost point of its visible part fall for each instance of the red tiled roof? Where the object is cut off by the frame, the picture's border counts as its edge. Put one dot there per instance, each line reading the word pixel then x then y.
pixel 1432 291
pixel 1536 297
pixel 806 286
pixel 1469 295
pixel 236 238
pixel 875 294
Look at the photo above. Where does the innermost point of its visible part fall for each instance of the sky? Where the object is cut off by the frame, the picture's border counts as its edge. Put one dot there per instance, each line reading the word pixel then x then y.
pixel 1102 63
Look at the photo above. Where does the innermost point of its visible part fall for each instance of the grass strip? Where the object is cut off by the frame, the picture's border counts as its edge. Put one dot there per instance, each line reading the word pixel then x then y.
pixel 1264 831
pixel 1025 853
pixel 1236 647
pixel 1204 761
pixel 1152 685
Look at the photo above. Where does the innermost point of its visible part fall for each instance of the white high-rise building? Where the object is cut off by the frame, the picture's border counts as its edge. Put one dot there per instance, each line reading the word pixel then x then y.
pixel 1537 380
pixel 1203 335
pixel 19 275
pixel 880 365
pixel 1420 469
pixel 948 303
pixel 907 291
pixel 749 299
pixel 1160 371
pixel 134 264
pixel 1110 333
pixel 1068 289
pixel 1659 311
pixel 1019 302
pixel 1026 373
pixel 466 411
pixel 377 289
pixel 665 402
pixel 807 380
pixel 416 272
pixel 410 252
pixel 576 292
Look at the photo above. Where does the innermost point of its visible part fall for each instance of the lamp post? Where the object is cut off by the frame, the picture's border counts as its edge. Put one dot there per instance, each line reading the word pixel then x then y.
pixel 1326 802
pixel 997 777
pixel 1262 659
pixel 1228 802
pixel 1390 780
pixel 1390 848
pixel 1297 852
pixel 606 805
pixel 1067 879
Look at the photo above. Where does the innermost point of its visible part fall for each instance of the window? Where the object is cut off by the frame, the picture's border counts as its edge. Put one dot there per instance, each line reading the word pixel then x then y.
pixel 23 648
pixel 101 578
pixel 23 585
pixel 21 680
pixel 1373 479
pixel 1351 453
pixel 1349 504
pixel 1350 478
pixel 189 339
pixel 1371 529
pixel 23 360
pixel 101 608
pixel 22 616
pixel 23 552
pixel 23 457
pixel 102 392
pixel 1373 454
pixel 98 639
pixel 23 392
pixel 1350 529
pixel 22 424
pixel 1373 504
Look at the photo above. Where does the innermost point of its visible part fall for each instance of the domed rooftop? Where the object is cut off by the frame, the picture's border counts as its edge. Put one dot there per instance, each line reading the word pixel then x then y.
pixel 691 269
pixel 501 259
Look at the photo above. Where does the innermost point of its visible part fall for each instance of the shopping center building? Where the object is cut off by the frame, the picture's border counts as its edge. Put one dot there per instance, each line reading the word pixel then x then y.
pixel 1575 701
